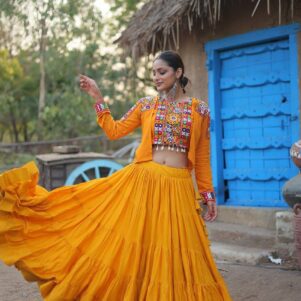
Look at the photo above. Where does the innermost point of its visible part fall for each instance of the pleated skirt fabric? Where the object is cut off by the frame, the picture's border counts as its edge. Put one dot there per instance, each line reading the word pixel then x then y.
pixel 134 236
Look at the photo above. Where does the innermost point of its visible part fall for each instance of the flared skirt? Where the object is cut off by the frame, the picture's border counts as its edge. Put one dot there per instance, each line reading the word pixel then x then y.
pixel 135 235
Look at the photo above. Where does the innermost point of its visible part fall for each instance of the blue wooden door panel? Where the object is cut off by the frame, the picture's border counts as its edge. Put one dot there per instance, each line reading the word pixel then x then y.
pixel 255 95
pixel 254 103
pixel 250 191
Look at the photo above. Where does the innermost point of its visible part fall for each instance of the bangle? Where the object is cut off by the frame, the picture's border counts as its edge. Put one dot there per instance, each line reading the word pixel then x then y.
pixel 207 196
pixel 100 108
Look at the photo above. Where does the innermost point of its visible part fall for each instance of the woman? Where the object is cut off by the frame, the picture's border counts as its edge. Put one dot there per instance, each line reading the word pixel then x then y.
pixel 137 234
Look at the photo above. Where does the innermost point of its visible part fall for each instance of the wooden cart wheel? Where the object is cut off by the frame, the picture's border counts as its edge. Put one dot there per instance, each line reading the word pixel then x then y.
pixel 92 170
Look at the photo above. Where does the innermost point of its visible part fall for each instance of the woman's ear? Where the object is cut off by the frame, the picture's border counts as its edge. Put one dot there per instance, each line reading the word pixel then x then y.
pixel 179 73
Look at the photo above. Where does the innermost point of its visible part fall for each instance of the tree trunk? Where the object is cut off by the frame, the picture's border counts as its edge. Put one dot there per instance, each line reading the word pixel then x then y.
pixel 2 132
pixel 25 131
pixel 14 126
pixel 42 94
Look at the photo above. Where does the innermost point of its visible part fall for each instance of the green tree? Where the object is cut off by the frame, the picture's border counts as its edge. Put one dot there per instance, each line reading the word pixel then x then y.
pixel 11 74
pixel 49 23
pixel 76 40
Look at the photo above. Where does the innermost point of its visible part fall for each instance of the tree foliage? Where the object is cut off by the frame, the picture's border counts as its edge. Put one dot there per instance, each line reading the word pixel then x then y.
pixel 46 45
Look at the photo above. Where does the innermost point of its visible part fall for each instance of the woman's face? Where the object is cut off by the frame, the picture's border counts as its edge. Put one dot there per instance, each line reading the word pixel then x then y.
pixel 164 76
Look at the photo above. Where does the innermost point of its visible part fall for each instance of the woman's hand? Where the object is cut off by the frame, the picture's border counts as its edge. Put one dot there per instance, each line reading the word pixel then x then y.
pixel 211 212
pixel 89 86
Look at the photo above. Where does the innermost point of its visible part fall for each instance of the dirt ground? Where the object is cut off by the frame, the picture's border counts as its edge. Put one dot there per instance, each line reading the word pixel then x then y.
pixel 245 283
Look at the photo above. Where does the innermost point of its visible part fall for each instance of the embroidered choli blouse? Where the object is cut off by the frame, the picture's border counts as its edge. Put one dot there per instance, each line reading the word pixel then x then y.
pixel 172 125
pixel 183 127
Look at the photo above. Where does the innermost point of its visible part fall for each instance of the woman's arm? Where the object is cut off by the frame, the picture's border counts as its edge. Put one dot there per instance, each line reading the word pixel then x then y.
pixel 202 164
pixel 113 129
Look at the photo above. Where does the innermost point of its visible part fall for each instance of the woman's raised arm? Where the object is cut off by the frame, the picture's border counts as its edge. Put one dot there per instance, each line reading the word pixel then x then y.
pixel 114 129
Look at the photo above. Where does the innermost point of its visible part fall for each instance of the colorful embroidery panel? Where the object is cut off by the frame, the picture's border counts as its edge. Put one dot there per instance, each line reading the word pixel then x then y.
pixel 172 125
pixel 146 103
pixel 203 108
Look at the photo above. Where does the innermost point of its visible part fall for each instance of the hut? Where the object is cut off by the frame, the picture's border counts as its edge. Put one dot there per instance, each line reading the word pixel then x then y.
pixel 242 56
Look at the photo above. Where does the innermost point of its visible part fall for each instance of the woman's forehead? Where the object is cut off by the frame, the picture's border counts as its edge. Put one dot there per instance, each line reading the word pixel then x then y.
pixel 158 63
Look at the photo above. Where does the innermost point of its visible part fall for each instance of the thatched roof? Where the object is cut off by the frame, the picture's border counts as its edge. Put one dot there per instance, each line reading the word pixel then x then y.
pixel 157 24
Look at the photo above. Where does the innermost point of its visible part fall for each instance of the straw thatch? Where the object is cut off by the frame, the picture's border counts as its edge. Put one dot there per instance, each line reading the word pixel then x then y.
pixel 157 24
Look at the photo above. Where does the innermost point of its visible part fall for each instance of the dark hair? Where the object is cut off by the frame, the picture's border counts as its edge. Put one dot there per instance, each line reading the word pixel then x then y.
pixel 174 60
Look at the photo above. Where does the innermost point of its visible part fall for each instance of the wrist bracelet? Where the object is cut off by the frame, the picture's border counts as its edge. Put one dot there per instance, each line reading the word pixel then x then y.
pixel 100 108
pixel 208 196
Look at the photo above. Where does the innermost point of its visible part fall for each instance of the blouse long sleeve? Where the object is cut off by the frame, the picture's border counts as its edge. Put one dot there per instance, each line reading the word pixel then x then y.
pixel 115 129
pixel 202 165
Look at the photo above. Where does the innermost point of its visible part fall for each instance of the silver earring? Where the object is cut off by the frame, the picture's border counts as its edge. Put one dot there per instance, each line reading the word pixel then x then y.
pixel 171 94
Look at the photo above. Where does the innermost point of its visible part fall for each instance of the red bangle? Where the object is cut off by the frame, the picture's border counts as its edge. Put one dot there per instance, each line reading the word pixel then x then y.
pixel 207 196
pixel 100 108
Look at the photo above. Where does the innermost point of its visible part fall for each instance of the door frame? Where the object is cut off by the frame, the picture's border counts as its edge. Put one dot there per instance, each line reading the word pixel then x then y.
pixel 212 49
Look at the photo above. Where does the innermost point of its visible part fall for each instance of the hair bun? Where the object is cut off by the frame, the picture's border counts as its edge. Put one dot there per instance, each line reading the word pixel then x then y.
pixel 184 81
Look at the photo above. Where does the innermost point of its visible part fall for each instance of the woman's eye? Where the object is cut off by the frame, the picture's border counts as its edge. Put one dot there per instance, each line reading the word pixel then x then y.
pixel 162 73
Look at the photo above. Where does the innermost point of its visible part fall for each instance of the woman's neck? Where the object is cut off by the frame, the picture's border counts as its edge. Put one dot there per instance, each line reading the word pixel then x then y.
pixel 173 95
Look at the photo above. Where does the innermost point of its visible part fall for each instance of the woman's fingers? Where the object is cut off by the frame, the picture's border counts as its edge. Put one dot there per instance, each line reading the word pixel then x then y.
pixel 82 81
pixel 211 212
pixel 83 77
pixel 214 210
pixel 85 82
pixel 206 217
pixel 89 86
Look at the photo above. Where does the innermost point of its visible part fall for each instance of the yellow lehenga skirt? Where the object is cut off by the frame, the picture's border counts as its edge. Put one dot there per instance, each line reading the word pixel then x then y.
pixel 135 235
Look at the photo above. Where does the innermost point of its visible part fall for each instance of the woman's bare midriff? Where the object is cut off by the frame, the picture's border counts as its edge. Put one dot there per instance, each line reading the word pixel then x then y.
pixel 170 158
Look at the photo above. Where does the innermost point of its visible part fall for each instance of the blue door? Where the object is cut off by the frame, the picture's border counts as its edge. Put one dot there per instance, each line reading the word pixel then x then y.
pixel 255 124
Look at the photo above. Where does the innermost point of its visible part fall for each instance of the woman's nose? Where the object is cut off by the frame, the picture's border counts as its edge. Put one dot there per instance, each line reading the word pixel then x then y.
pixel 156 77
